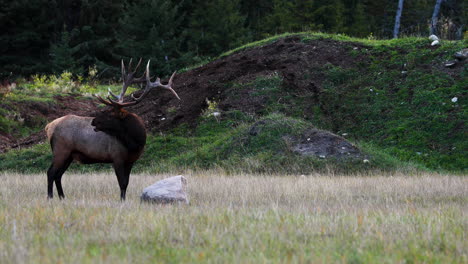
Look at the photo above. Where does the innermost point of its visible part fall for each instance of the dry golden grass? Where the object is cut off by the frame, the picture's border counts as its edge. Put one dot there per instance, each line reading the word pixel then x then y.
pixel 241 218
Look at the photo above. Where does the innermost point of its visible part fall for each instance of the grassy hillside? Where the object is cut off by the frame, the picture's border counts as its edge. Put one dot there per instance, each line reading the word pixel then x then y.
pixel 393 98
pixel 399 97
pixel 226 146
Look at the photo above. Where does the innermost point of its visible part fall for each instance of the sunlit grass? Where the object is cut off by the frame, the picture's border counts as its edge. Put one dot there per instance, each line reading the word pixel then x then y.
pixel 242 218
pixel 404 42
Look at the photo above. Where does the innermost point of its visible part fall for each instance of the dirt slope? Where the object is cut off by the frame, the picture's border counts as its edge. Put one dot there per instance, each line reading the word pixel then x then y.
pixel 33 111
pixel 290 58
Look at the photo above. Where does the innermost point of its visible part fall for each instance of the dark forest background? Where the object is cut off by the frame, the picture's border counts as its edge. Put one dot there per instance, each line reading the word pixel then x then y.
pixel 51 36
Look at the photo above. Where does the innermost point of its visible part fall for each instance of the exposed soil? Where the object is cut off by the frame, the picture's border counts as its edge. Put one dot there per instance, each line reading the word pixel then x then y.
pixel 295 61
pixel 292 59
pixel 298 64
pixel 310 142
pixel 324 144
pixel 33 112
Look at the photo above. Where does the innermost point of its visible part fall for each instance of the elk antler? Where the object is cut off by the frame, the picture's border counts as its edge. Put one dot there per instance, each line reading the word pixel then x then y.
pixel 128 80
pixel 157 83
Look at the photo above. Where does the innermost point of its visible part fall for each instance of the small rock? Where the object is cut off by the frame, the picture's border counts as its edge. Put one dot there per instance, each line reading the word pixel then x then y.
pixel 433 37
pixel 461 55
pixel 455 99
pixel 169 190
pixel 450 64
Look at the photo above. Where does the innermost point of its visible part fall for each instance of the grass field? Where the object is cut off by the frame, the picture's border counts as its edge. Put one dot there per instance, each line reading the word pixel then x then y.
pixel 238 219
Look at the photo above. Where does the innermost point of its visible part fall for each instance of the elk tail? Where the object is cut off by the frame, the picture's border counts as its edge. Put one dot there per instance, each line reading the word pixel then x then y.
pixel 50 128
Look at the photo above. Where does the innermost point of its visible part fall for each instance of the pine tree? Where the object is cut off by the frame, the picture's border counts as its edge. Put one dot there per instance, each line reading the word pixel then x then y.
pixel 329 16
pixel 216 26
pixel 360 22
pixel 151 30
pixel 256 12
pixel 25 37
pixel 62 55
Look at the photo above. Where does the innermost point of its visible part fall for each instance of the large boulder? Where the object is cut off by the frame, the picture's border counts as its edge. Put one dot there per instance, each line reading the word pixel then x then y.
pixel 169 190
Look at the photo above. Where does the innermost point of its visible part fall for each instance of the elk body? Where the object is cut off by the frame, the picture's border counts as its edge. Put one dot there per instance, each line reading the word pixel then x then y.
pixel 114 136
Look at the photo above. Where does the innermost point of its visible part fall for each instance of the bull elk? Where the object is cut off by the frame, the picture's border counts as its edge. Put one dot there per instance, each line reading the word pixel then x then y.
pixel 114 136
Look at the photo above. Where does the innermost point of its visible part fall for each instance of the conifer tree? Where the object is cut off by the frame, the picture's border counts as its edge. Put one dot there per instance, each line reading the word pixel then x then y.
pixel 216 26
pixel 359 26
pixel 62 54
pixel 151 30
pixel 25 36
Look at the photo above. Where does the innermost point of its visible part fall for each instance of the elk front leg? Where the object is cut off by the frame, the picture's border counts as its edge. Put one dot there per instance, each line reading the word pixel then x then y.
pixel 122 171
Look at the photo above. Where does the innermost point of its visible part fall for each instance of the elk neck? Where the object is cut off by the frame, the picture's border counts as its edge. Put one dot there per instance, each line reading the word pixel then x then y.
pixel 126 127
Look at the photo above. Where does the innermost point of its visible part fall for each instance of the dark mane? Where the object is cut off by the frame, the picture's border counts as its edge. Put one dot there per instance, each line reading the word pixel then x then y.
pixel 124 126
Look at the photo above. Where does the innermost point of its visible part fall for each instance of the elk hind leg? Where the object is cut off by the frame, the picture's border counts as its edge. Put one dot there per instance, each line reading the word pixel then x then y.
pixel 58 177
pixel 54 173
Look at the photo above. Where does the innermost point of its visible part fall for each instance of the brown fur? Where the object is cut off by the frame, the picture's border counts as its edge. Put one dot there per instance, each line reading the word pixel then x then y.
pixel 115 136
pixel 124 126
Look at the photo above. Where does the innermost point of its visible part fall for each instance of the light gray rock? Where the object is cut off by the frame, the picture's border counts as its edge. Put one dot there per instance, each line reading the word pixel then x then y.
pixel 169 190
pixel 433 37
pixel 435 43
pixel 450 64
pixel 462 54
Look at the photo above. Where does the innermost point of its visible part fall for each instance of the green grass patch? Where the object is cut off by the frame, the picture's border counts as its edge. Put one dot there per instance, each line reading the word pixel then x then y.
pixel 226 145
pixel 400 100
pixel 411 114
pixel 379 44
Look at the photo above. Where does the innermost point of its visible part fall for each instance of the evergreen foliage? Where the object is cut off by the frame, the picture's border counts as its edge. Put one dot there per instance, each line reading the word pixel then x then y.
pixel 42 36
pixel 216 26
pixel 62 54
pixel 152 30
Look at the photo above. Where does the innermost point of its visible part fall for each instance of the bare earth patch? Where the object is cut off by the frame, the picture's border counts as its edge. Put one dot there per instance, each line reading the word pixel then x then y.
pixel 237 219
pixel 63 105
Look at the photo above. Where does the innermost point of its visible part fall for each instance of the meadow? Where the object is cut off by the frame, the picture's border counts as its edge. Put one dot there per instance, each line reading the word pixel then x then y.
pixel 252 198
pixel 242 218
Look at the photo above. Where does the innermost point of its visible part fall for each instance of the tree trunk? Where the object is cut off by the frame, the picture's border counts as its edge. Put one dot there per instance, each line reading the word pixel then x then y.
pixel 396 29
pixel 434 16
